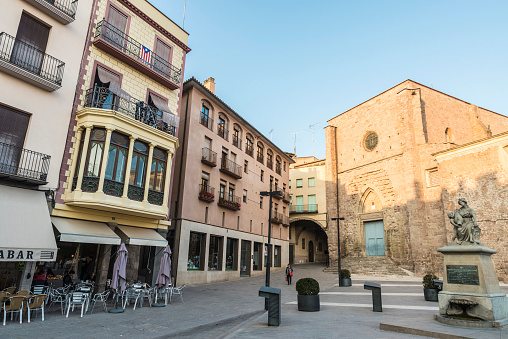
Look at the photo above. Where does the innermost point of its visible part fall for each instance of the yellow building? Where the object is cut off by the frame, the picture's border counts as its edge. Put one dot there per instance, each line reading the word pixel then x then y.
pixel 128 99
pixel 308 241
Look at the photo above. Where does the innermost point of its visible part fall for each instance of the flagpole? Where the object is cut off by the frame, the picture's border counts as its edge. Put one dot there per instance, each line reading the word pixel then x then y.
pixel 183 22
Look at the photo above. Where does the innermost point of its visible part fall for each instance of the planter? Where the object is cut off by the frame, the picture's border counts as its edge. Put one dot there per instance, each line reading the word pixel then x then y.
pixel 346 282
pixel 430 294
pixel 308 303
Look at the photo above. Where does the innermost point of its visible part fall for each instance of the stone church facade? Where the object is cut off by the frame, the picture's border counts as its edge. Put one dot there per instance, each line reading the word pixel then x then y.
pixel 390 174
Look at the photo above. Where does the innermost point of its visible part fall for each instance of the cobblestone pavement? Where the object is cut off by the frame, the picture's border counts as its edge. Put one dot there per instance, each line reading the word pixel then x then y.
pixel 233 309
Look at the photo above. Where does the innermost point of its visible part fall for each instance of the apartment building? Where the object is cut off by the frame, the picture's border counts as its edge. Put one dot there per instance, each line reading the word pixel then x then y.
pixel 116 171
pixel 41 46
pixel 221 220
pixel 308 241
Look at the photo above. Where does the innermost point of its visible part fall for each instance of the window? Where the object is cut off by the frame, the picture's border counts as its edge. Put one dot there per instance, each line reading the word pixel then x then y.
pixel 115 167
pixel 249 145
pixel 105 79
pixel 215 253
pixel 117 19
pixel 231 254
pixel 276 184
pixel 160 60
pixel 278 165
pixel 262 176
pixel 299 183
pixel 231 192
pixel 246 166
pixel 138 165
pixel 205 119
pixel 158 170
pixel 256 259
pixel 312 203
pixel 432 177
pixel 30 44
pixel 237 136
pixel 261 202
pixel 222 130
pixel 311 182
pixel 117 26
pixel 269 159
pixel 284 166
pixel 299 203
pixel 277 256
pixel 289 183
pixel 222 191
pixel 244 195
pixel 284 187
pixel 13 127
pixel 93 165
pixel 195 258
pixel 303 243
pixel 261 151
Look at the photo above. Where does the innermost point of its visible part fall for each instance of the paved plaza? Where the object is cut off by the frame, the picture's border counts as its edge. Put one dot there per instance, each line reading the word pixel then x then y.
pixel 234 310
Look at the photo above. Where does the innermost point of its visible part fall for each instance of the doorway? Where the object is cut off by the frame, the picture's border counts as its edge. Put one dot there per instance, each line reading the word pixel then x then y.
pixel 375 238
pixel 291 254
pixel 311 251
pixel 245 259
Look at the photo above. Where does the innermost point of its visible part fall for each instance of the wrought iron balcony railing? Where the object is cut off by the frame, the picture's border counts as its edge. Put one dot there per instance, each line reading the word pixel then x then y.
pixel 206 193
pixel 229 201
pixel 23 165
pixel 209 157
pixel 102 97
pixel 269 163
pixel 278 168
pixel 128 46
pixel 29 58
pixel 230 167
pixel 222 131
pixel 67 6
pixel 311 208
pixel 206 121
pixel 236 141
pixel 276 217
pixel 249 149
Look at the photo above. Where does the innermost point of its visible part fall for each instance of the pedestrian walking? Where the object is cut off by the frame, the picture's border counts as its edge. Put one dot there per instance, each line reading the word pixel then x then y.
pixel 289 273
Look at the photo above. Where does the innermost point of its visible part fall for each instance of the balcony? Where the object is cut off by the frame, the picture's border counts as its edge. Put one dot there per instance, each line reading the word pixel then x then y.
pixel 25 62
pixel 231 168
pixel 103 97
pixel 22 165
pixel 269 163
pixel 260 158
pixel 222 131
pixel 63 11
pixel 285 220
pixel 249 149
pixel 285 196
pixel 294 209
pixel 206 121
pixel 231 202
pixel 237 142
pixel 209 157
pixel 276 217
pixel 115 42
pixel 206 193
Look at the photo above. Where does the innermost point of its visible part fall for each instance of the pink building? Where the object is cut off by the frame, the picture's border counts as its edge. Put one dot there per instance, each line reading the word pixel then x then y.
pixel 220 219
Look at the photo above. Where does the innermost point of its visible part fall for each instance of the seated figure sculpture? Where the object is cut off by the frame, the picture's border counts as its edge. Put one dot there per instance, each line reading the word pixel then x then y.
pixel 466 228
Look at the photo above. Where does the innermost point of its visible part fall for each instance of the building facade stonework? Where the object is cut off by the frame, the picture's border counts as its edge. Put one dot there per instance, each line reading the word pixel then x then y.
pixel 383 175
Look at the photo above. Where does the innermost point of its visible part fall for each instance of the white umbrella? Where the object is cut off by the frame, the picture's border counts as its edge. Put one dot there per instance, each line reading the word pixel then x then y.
pixel 119 275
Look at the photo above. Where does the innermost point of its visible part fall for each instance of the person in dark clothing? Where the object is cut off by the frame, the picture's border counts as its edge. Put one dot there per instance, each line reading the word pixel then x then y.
pixel 88 271
pixel 289 273
pixel 40 278
pixel 67 279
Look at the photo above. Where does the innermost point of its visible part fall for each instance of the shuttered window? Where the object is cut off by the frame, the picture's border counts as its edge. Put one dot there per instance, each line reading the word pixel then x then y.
pixel 160 60
pixel 33 32
pixel 117 19
pixel 432 177
pixel 13 126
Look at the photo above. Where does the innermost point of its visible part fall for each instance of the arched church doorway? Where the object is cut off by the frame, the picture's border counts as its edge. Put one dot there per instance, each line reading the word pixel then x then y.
pixel 371 220
pixel 311 251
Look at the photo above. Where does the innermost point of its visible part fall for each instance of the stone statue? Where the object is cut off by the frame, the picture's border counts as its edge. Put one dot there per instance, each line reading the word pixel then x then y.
pixel 466 228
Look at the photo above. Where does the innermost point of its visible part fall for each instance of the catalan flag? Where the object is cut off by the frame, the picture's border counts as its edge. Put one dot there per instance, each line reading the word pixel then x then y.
pixel 145 54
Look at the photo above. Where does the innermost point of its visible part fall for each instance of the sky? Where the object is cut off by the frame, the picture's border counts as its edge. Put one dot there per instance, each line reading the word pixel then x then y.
pixel 286 66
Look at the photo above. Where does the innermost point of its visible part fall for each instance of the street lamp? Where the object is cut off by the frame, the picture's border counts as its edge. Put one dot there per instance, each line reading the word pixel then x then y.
pixel 270 194
pixel 338 245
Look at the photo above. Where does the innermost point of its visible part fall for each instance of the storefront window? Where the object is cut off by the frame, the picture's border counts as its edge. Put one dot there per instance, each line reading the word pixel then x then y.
pixel 231 254
pixel 256 262
pixel 214 254
pixel 277 256
pixel 195 259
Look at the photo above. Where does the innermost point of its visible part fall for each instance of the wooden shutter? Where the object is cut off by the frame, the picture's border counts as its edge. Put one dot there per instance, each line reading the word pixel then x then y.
pixel 13 126
pixel 162 50
pixel 33 32
pixel 432 177
pixel 117 19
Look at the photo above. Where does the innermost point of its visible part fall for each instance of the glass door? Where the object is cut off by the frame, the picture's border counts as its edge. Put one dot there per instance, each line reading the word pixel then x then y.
pixel 245 259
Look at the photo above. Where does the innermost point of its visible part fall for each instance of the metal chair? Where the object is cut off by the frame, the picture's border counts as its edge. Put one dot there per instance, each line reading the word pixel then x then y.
pixel 23 293
pixel 36 303
pixel 58 296
pixel 15 305
pixel 76 299
pixel 178 291
pixel 131 294
pixel 39 289
pixel 10 290
pixel 100 297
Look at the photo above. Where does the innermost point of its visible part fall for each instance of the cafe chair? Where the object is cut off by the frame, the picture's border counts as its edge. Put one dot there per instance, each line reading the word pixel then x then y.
pixel 36 303
pixel 39 289
pixel 76 299
pixel 58 296
pixel 23 293
pixel 100 297
pixel 10 290
pixel 15 305
pixel 178 291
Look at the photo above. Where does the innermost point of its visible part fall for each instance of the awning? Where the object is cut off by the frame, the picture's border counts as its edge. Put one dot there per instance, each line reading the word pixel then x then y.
pixel 83 231
pixel 141 236
pixel 25 226
pixel 167 116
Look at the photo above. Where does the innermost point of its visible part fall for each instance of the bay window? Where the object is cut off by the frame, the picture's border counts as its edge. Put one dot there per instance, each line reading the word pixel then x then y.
pixel 138 171
pixel 115 167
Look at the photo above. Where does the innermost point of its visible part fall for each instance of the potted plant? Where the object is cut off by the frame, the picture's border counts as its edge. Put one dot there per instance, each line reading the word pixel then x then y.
pixel 429 289
pixel 308 295
pixel 345 277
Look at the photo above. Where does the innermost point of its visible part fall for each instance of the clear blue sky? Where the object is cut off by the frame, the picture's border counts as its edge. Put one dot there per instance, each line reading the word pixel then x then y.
pixel 285 65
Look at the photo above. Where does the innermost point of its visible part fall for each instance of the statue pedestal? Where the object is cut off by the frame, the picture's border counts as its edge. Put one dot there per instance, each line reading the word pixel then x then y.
pixel 471 287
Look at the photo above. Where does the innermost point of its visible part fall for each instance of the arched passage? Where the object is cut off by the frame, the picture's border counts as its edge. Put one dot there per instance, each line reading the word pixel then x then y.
pixel 308 242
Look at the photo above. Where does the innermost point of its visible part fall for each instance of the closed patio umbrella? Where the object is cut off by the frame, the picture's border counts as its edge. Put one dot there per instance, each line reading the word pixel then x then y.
pixel 164 276
pixel 119 275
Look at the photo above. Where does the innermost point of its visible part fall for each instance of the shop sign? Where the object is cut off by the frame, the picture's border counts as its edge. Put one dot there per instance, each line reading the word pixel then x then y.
pixel 25 254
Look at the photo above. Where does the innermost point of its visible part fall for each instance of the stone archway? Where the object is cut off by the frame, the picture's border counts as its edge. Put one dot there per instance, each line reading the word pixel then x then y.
pixel 303 233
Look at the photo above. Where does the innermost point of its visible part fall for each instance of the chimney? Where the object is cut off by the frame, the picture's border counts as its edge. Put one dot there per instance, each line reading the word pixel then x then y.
pixel 210 84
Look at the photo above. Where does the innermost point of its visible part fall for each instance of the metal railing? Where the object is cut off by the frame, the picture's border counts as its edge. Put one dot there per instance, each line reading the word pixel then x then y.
pixel 26 56
pixel 278 169
pixel 276 217
pixel 131 47
pixel 206 192
pixel 19 162
pixel 67 6
pixel 311 208
pixel 209 156
pixel 102 97
pixel 269 163
pixel 231 167
pixel 222 131
pixel 236 141
pixel 249 149
pixel 206 121
pixel 285 220
pixel 229 201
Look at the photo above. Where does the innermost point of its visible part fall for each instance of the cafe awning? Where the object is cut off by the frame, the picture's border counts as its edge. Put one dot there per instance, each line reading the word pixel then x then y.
pixel 141 236
pixel 25 226
pixel 83 231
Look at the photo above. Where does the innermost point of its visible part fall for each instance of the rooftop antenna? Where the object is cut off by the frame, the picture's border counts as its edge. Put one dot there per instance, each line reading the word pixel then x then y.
pixel 270 134
pixel 295 133
pixel 183 22
pixel 312 126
